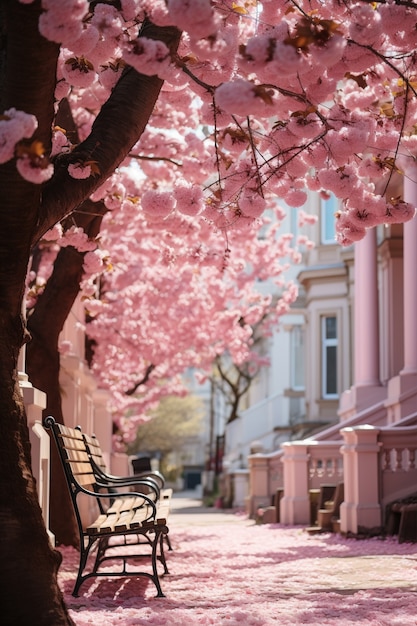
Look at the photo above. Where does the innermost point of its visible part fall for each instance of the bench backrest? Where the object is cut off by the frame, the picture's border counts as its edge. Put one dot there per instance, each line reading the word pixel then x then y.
pixel 74 456
pixel 99 463
pixel 95 452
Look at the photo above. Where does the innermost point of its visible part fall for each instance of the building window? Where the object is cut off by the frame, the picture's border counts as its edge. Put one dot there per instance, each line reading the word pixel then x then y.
pixel 329 356
pixel 294 218
pixel 297 358
pixel 328 220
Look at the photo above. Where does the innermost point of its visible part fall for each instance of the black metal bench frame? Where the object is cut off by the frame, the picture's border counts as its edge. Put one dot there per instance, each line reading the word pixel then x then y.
pixel 132 517
pixel 97 459
pixel 154 480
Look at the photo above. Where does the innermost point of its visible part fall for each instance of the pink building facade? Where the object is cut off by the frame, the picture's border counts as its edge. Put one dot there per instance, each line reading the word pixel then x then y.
pixel 83 404
pixel 361 379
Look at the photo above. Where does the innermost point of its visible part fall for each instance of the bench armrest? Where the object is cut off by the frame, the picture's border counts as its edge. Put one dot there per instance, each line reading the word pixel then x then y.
pixel 116 496
pixel 105 482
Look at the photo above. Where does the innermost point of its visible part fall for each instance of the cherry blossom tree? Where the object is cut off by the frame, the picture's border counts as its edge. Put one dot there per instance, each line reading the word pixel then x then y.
pixel 179 301
pixel 261 100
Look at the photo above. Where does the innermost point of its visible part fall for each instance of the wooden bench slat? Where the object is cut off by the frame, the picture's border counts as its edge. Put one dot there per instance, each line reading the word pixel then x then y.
pixel 124 520
pixel 95 526
pixel 108 525
pixel 126 503
pixel 139 517
pixel 163 511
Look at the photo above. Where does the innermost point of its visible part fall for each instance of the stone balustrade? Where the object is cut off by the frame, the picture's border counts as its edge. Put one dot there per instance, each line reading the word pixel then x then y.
pixel 297 468
pixel 398 462
pixel 377 466
pixel 325 463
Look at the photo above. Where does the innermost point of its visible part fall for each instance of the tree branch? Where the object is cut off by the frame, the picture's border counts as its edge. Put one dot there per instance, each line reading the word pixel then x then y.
pixel 116 129
pixel 144 380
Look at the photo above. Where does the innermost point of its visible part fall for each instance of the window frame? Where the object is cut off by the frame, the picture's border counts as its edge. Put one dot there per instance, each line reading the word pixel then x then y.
pixel 325 206
pixel 297 343
pixel 327 342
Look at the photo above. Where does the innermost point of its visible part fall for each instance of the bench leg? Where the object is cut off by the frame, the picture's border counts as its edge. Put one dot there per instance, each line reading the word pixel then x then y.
pixel 168 542
pixel 84 552
pixel 157 542
pixel 161 556
pixel 157 554
pixel 103 544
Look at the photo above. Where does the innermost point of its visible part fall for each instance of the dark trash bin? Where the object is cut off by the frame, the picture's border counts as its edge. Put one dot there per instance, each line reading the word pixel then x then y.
pixel 141 464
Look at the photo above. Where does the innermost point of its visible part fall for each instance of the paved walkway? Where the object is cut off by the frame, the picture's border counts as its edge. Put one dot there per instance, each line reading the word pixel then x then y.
pixel 187 509
pixel 227 571
pixel 354 572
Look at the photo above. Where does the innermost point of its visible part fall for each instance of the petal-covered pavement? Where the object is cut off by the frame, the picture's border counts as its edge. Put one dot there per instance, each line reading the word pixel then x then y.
pixel 226 570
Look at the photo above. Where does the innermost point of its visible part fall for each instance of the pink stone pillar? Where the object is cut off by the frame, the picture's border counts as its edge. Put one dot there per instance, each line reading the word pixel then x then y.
pixel 295 504
pixel 410 282
pixel 367 389
pixel 103 425
pixel 360 509
pixel 366 362
pixel 259 495
pixel 35 402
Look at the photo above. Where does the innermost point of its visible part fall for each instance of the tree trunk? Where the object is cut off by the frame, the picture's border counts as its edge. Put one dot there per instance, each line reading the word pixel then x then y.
pixel 43 363
pixel 28 573
pixel 43 369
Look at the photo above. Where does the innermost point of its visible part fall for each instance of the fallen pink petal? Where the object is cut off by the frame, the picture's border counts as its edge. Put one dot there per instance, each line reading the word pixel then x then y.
pixel 227 570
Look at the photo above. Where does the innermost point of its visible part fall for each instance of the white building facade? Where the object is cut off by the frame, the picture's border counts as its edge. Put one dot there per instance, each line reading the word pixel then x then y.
pixel 310 353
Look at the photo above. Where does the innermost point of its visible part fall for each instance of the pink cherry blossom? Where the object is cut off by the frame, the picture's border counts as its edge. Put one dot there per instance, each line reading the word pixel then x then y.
pixel 62 22
pixel 14 126
pixel 77 170
pixel 252 205
pixel 306 218
pixel 367 27
pixel 78 71
pixel 189 198
pixel 77 238
pixel 157 204
pixel 32 172
pixel 399 211
pixel 54 233
pixel 95 261
pixel 60 143
pixel 148 56
pixel 296 198
pixel 86 41
pixel 132 9
pixel 243 97
pixel 195 16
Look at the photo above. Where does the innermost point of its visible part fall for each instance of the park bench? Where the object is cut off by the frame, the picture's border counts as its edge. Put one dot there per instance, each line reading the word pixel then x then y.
pixel 150 482
pixel 126 519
